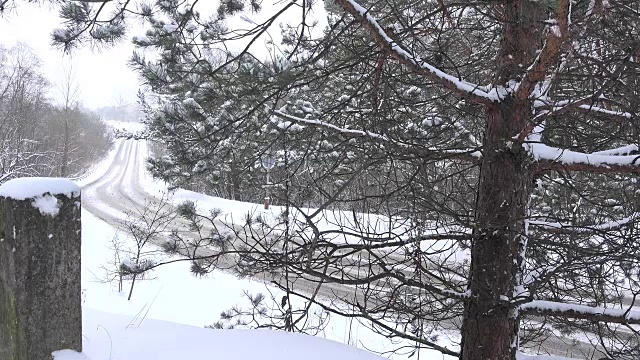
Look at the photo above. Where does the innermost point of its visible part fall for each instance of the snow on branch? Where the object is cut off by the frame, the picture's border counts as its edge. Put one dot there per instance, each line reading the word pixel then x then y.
pixel 610 225
pixel 623 150
pixel 596 109
pixel 463 88
pixel 581 105
pixel 472 154
pixel 344 131
pixel 553 158
pixel 575 311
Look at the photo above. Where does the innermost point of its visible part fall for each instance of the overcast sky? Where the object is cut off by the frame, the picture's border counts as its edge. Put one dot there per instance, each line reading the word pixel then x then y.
pixel 103 76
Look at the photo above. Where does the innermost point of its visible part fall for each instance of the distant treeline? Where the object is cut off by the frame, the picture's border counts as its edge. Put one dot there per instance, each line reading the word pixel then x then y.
pixel 37 137
pixel 123 112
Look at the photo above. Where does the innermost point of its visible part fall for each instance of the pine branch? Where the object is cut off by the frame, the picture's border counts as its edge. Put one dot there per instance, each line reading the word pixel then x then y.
pixel 473 92
pixel 575 311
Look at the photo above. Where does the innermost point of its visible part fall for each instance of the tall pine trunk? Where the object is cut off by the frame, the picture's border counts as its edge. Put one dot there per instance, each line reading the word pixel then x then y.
pixel 490 327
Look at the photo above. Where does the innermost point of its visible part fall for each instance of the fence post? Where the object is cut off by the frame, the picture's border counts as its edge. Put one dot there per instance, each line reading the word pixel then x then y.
pixel 40 291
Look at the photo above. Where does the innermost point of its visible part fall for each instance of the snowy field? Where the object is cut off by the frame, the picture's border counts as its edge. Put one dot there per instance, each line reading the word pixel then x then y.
pixel 168 311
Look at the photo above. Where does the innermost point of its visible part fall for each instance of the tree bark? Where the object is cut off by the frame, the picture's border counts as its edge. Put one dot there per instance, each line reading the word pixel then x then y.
pixel 490 326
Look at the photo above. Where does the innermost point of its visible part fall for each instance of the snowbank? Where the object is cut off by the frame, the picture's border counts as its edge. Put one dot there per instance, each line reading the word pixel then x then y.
pixel 109 336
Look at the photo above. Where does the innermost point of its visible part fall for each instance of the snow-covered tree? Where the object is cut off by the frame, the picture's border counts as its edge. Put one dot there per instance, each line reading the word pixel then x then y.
pixel 36 138
pixel 507 128
pixel 22 109
pixel 209 141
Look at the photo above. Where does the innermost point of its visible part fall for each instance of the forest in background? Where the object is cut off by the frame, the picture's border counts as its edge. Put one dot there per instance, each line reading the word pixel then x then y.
pixel 37 136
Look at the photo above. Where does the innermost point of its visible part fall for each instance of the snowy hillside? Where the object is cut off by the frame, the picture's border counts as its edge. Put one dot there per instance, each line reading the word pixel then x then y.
pixel 108 336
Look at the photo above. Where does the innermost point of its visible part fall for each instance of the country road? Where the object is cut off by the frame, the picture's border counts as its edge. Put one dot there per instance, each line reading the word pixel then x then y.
pixel 120 191
pixel 120 185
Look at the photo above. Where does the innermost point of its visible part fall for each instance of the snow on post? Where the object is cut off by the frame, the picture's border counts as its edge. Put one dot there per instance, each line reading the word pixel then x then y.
pixel 40 300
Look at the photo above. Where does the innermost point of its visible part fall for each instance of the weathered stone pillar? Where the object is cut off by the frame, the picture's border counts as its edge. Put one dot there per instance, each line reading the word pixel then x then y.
pixel 40 300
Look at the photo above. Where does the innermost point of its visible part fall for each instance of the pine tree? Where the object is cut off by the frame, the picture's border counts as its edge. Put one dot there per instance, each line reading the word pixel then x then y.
pixel 509 129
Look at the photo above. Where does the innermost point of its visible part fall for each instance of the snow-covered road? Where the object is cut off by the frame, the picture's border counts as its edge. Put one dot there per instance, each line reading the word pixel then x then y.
pixel 111 191
pixel 120 186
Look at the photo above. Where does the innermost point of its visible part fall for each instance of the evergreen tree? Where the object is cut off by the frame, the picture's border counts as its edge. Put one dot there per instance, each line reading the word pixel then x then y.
pixel 509 129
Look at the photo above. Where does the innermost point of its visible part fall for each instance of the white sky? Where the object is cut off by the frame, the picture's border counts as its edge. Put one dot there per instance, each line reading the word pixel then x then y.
pixel 103 76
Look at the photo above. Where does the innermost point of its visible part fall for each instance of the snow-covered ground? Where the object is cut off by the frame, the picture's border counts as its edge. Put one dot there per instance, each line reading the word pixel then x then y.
pixel 108 336
pixel 115 328
pixel 168 312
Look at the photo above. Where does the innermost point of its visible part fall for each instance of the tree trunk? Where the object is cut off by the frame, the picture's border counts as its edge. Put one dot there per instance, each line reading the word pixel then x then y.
pixel 236 187
pixel 133 283
pixel 65 150
pixel 490 328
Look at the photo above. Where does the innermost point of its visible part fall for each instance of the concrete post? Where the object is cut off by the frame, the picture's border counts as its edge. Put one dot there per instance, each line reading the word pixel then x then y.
pixel 40 291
